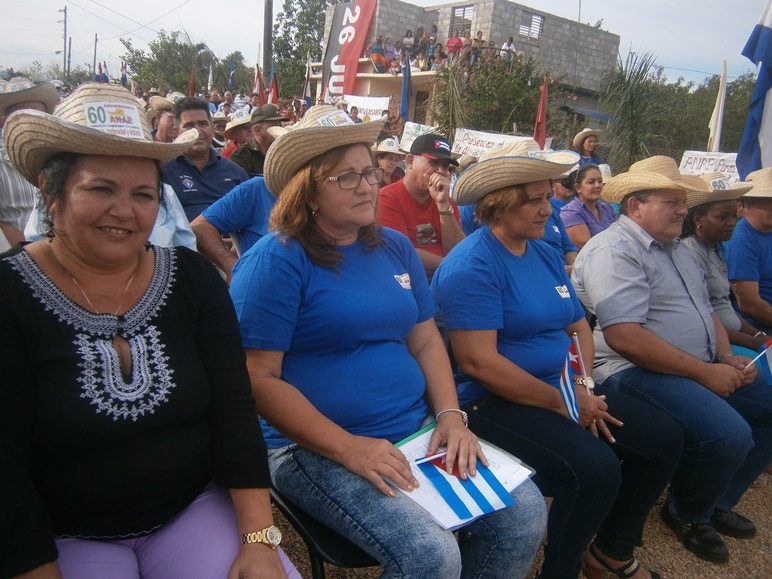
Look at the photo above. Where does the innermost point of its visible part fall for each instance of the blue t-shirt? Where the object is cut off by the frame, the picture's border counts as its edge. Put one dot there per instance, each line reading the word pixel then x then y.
pixel 555 232
pixel 528 300
pixel 245 210
pixel 468 222
pixel 342 330
pixel 749 258
pixel 196 189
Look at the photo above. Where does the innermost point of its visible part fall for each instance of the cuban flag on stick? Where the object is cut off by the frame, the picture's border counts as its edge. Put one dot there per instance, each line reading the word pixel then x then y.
pixel 567 391
pixel 756 146
pixel 407 89
pixel 764 361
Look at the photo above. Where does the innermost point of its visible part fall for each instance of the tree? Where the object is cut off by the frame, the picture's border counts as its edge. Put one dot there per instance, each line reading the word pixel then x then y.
pixel 299 29
pixel 495 96
pixel 630 92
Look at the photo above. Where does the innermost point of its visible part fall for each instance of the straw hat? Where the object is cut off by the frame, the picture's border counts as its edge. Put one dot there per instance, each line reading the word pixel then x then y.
pixel 508 166
pixel 388 146
pixel 21 90
pixel 583 134
pixel 159 103
pixel 657 172
pixel 220 116
pixel 761 181
pixel 322 128
pixel 97 119
pixel 239 118
pixel 720 190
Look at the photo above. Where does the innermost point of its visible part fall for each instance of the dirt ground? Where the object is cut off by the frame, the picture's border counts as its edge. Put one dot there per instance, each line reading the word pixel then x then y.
pixel 750 559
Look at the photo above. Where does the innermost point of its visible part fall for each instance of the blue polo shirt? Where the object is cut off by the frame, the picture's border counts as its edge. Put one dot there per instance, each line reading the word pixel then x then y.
pixel 245 209
pixel 196 189
pixel 749 258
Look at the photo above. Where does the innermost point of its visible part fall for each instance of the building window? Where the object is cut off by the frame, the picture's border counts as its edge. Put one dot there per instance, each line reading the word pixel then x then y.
pixel 531 28
pixel 461 19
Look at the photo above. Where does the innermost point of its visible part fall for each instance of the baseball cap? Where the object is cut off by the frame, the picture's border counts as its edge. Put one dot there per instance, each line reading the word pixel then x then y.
pixel 267 112
pixel 432 146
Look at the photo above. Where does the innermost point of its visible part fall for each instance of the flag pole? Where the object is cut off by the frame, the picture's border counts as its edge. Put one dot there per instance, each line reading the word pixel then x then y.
pixel 575 338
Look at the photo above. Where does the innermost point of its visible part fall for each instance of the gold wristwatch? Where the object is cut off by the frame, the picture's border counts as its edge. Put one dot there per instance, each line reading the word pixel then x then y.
pixel 270 536
pixel 585 381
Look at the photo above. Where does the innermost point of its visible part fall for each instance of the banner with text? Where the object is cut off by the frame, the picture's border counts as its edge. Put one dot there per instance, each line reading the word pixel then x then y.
pixel 370 108
pixel 411 132
pixel 475 143
pixel 700 162
pixel 345 44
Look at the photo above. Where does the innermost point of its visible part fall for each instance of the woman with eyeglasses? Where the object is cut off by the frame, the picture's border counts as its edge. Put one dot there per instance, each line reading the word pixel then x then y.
pixel 337 321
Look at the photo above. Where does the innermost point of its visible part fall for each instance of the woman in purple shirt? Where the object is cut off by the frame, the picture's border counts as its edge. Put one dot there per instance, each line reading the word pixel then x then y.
pixel 586 215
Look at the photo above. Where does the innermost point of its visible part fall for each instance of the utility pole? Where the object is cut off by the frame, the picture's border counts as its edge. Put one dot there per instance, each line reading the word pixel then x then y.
pixel 69 58
pixel 268 35
pixel 95 51
pixel 64 48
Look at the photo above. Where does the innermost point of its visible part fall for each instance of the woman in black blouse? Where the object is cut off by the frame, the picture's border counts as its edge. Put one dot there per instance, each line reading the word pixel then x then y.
pixel 128 437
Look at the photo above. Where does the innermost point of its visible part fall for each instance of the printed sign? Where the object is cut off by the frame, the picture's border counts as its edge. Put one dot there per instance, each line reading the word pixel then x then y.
pixel 119 119
pixel 411 132
pixel 699 163
pixel 370 108
pixel 475 143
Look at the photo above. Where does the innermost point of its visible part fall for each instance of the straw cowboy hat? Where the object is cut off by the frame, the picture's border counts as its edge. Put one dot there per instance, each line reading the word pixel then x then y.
pixel 583 134
pixel 720 190
pixel 22 90
pixel 508 166
pixel 97 119
pixel 761 181
pixel 159 103
pixel 322 128
pixel 654 173
pixel 239 118
pixel 388 146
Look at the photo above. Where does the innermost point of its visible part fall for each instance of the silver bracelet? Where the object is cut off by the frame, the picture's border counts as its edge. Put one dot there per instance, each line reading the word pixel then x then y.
pixel 759 333
pixel 722 356
pixel 463 414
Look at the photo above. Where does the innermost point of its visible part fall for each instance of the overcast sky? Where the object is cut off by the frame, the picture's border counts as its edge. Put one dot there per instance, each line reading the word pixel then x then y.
pixel 689 37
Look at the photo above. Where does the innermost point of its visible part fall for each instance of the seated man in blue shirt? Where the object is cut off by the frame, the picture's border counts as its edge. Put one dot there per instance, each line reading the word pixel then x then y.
pixel 244 210
pixel 200 176
pixel 749 253
pixel 658 340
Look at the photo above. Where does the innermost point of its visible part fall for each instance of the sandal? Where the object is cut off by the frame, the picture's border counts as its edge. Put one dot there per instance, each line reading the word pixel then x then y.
pixel 627 570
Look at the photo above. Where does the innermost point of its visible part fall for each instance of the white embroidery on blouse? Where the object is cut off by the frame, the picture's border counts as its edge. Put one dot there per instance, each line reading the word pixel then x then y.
pixel 101 378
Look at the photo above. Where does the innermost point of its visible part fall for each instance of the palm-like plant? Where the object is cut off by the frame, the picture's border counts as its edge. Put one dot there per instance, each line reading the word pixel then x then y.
pixel 628 92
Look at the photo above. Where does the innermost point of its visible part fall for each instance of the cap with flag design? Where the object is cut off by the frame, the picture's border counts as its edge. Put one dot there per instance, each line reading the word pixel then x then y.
pixel 432 146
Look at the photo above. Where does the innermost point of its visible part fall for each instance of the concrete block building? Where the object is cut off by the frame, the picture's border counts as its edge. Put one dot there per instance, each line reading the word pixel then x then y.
pixel 577 54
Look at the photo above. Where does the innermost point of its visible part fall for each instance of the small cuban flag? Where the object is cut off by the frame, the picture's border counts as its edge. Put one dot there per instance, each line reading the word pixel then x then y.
pixel 567 391
pixel 764 361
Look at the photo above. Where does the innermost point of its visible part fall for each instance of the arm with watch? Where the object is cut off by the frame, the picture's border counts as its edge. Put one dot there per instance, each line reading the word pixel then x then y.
pixel 257 556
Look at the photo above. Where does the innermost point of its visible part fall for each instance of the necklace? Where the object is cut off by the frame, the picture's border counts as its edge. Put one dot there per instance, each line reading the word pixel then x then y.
pixel 77 284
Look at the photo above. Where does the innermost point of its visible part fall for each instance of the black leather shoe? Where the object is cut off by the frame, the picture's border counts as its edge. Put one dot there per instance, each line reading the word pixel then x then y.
pixel 699 538
pixel 733 525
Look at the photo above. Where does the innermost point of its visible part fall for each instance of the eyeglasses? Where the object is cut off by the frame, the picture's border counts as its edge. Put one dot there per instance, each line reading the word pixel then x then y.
pixel 352 180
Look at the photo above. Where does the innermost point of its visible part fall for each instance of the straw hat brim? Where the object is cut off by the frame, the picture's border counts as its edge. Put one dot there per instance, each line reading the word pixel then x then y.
pixel 581 136
pixel 697 198
pixel 228 132
pixel 45 93
pixel 159 103
pixel 32 137
pixel 294 148
pixel 490 175
pixel 625 183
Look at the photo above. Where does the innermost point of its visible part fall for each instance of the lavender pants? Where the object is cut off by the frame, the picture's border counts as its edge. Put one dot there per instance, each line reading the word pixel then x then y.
pixel 199 543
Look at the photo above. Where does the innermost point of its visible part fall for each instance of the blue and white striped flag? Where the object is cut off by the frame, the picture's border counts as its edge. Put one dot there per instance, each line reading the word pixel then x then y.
pixel 567 391
pixel 756 146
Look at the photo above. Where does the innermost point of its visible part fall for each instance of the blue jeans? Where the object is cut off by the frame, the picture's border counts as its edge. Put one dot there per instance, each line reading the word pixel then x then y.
pixel 398 533
pixel 728 441
pixel 593 492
